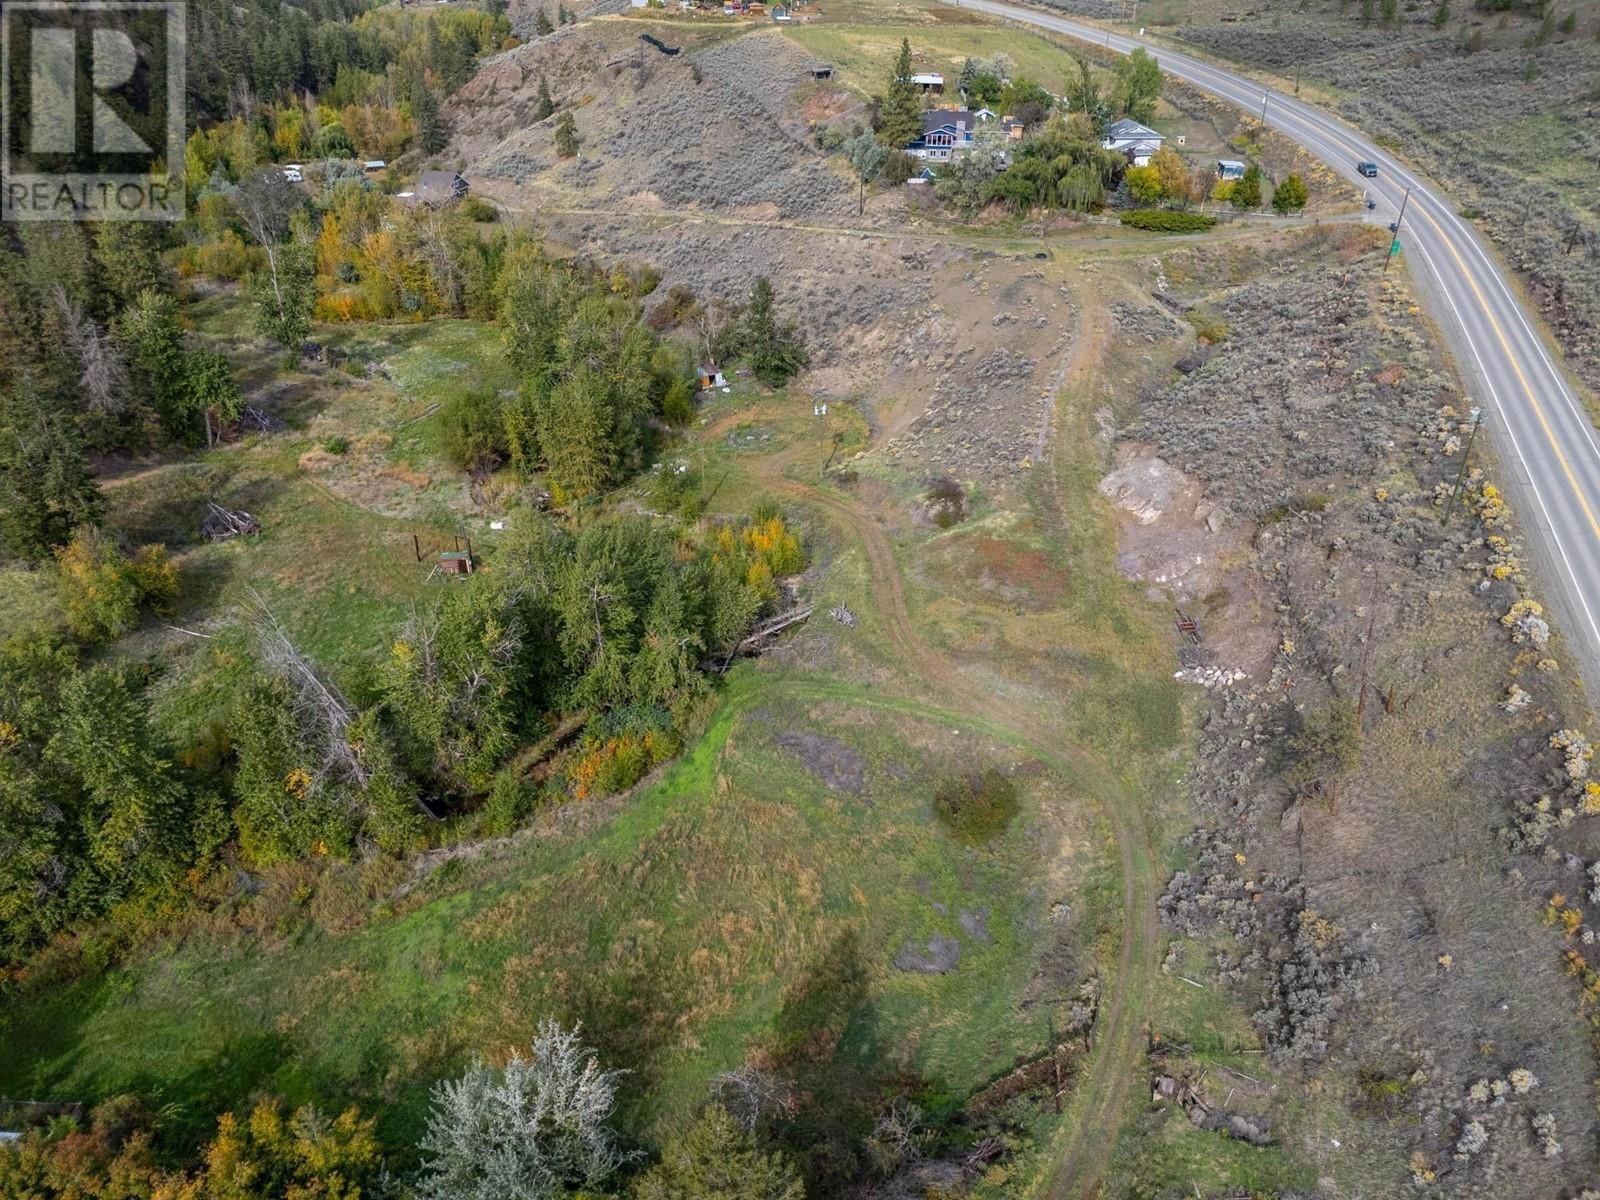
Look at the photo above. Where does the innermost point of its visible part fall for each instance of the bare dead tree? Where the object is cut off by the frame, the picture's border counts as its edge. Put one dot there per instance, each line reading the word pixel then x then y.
pixel 241 98
pixel 313 112
pixel 265 201
pixel 899 1137
pixel 753 1096
pixel 102 373
pixel 433 240
pixel 320 710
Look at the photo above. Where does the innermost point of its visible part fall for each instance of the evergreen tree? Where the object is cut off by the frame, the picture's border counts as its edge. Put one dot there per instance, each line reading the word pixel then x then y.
pixel 541 23
pixel 666 668
pixel 546 105
pixel 602 593
pixel 45 487
pixel 149 332
pixel 431 135
pixel 44 873
pixel 775 350
pixel 1291 195
pixel 574 427
pixel 285 806
pixel 567 140
pixel 900 115
pixel 57 260
pixel 134 806
pixel 536 1129
pixel 128 254
pixel 1246 192
pixel 714 1159
pixel 969 71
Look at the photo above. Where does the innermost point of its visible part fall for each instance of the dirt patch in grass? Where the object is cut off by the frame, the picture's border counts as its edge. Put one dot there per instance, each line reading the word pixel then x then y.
pixel 1014 573
pixel 839 766
pixel 938 956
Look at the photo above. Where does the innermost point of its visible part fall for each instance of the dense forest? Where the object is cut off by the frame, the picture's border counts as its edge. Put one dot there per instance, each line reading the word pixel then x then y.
pixel 580 654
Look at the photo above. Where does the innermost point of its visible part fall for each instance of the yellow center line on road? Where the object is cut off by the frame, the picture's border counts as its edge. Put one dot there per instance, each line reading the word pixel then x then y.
pixel 1220 84
pixel 1516 365
pixel 1338 138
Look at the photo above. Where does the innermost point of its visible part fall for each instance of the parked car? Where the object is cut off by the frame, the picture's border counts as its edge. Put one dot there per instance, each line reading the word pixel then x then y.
pixel 1369 169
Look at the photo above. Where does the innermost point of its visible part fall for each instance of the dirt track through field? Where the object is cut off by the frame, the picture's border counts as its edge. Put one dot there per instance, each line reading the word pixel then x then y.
pixel 1085 1144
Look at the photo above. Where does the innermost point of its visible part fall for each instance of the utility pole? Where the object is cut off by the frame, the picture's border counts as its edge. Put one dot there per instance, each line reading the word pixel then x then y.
pixel 1394 244
pixel 1461 475
pixel 1263 110
pixel 1296 79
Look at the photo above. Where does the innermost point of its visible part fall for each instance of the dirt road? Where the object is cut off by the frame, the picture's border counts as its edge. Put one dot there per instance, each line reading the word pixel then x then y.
pixel 1089 1133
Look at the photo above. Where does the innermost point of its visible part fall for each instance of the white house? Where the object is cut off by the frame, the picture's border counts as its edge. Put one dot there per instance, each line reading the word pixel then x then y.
pixel 1135 142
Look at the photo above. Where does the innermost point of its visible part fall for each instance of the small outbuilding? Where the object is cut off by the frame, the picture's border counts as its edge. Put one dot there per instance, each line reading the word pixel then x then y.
pixel 822 71
pixel 1229 168
pixel 710 377
pixel 456 562
pixel 438 188
pixel 929 81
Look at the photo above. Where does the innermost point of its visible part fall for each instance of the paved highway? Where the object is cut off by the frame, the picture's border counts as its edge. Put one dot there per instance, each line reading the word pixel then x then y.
pixel 1530 408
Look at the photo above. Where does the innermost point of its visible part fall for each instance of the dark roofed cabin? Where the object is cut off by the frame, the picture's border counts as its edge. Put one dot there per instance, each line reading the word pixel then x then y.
pixel 438 188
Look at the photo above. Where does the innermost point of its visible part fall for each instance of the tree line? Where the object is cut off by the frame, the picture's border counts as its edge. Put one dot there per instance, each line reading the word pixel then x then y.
pixel 541 1127
pixel 245 56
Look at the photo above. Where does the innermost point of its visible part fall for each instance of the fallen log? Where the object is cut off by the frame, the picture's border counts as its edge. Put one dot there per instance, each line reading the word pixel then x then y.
pixel 220 524
pixel 771 627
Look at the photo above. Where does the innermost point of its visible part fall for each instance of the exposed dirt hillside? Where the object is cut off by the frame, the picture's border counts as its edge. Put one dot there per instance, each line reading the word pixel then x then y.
pixel 720 125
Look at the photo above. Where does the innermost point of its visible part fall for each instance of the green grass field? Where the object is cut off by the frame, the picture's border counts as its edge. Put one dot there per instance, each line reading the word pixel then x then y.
pixel 736 902
pixel 862 53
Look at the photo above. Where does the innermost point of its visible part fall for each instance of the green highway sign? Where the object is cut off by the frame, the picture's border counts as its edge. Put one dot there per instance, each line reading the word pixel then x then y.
pixel 1394 246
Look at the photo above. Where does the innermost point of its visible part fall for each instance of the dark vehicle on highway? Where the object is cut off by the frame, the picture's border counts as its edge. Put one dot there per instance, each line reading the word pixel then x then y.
pixel 1369 169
